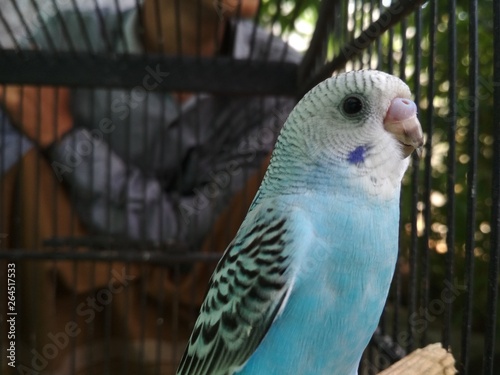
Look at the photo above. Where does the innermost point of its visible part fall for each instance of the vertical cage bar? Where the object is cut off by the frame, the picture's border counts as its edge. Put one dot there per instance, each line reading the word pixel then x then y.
pixel 178 29
pixel 429 119
pixel 81 24
pixel 3 171
pixel 160 305
pixel 395 285
pixel 108 329
pixel 402 75
pixel 142 316
pixel 127 307
pixel 397 276
pixel 379 43
pixel 119 12
pixel 451 173
pixel 102 24
pixel 491 310
pixel 415 182
pixel 74 302
pixel 64 28
pixel 160 38
pixel 326 14
pixel 43 27
pixel 471 189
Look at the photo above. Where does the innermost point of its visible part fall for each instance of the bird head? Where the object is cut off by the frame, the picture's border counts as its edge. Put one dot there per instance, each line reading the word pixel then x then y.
pixel 360 126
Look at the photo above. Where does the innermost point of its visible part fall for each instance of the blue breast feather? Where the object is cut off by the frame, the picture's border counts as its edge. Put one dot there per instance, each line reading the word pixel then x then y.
pixel 345 262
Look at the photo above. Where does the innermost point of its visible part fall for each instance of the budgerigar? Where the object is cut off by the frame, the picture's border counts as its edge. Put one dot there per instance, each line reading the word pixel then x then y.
pixel 301 288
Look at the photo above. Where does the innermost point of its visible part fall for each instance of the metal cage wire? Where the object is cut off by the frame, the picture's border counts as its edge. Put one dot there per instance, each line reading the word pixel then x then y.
pixel 450 201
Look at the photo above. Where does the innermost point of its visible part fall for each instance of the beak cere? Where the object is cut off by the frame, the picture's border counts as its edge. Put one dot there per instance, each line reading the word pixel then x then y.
pixel 401 121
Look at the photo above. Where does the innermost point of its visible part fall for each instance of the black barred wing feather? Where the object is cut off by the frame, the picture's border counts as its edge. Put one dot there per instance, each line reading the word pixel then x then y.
pixel 246 292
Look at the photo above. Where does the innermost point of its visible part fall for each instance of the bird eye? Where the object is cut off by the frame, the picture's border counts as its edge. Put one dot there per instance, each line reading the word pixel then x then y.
pixel 352 105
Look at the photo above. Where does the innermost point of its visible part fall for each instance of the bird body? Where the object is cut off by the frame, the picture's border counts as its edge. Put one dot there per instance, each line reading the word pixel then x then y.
pixel 301 288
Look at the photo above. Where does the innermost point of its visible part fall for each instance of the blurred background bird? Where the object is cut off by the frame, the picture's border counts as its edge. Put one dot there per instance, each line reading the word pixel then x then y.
pixel 301 288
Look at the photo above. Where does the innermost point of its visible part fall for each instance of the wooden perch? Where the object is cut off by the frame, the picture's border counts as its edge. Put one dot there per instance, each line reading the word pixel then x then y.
pixel 431 360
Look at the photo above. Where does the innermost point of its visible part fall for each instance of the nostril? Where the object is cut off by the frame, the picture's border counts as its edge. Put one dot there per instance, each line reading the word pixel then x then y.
pixel 401 109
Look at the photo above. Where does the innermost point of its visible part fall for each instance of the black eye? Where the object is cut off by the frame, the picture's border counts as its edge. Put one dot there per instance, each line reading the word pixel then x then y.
pixel 352 105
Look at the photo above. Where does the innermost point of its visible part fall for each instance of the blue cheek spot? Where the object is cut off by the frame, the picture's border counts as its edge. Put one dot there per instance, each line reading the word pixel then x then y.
pixel 357 155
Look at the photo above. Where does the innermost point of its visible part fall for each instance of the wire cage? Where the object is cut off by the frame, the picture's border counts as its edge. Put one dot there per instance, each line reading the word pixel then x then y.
pixel 134 134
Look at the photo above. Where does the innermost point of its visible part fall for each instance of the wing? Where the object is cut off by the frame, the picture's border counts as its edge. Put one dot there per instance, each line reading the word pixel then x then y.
pixel 246 292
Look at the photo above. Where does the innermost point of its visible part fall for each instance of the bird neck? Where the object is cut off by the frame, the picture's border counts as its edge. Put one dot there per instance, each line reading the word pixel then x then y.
pixel 291 174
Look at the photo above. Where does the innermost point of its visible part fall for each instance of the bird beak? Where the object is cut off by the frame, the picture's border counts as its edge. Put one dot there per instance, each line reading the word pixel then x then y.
pixel 401 121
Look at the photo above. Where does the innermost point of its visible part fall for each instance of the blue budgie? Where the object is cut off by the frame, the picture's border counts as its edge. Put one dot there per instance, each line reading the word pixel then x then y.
pixel 301 288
